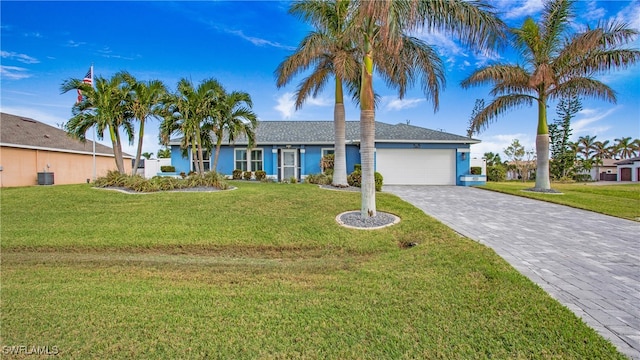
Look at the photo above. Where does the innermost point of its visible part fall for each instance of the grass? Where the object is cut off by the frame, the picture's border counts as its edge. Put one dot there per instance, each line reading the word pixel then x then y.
pixel 262 272
pixel 616 200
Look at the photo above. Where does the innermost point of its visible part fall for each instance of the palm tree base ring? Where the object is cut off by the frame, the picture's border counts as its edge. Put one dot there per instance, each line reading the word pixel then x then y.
pixel 353 220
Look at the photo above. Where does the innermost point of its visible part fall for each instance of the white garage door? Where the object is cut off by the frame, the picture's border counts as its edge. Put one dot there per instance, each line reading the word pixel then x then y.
pixel 417 166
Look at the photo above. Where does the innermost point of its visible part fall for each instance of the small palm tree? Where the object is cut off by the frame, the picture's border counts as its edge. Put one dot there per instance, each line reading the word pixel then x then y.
pixel 164 153
pixel 587 146
pixel 187 112
pixel 233 114
pixel 147 155
pixel 103 106
pixel 145 102
pixel 602 149
pixel 554 66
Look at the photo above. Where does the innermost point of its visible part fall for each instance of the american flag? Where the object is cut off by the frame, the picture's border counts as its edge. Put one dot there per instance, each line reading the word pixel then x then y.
pixel 88 79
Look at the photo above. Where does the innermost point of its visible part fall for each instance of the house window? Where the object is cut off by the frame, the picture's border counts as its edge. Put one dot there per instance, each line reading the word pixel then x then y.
pixel 241 159
pixel 205 159
pixel 327 151
pixel 256 160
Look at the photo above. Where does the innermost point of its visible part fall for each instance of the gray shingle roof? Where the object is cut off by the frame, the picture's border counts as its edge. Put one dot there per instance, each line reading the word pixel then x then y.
pixel 321 132
pixel 18 131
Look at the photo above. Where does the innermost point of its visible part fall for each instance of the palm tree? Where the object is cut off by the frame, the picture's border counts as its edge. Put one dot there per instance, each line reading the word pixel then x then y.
pixel 144 102
pixel 587 146
pixel 147 155
pixel 602 150
pixel 103 106
pixel 381 28
pixel 164 153
pixel 330 52
pixel 624 147
pixel 187 112
pixel 554 66
pixel 233 114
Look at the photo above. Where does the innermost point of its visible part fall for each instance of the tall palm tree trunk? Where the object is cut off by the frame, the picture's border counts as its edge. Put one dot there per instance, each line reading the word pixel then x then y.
pixel 542 147
pixel 216 155
pixel 339 126
pixel 367 135
pixel 200 160
pixel 117 153
pixel 139 153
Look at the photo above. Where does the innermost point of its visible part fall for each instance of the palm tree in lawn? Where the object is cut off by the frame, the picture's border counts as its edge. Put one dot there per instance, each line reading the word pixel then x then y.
pixel 381 29
pixel 145 102
pixel 554 65
pixel 103 106
pixel 233 114
pixel 624 147
pixel 330 52
pixel 187 112
pixel 587 146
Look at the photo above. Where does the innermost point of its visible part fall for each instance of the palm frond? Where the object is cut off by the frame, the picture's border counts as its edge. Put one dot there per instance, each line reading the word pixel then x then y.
pixel 497 107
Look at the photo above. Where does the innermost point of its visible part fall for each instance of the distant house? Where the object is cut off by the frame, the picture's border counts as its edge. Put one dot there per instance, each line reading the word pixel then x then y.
pixel 606 171
pixel 629 169
pixel 32 152
pixel 405 154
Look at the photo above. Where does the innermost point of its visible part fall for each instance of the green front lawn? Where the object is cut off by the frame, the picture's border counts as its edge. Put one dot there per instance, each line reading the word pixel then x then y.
pixel 262 272
pixel 615 200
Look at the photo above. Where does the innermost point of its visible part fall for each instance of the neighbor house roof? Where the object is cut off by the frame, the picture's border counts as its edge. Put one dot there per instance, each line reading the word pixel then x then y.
pixel 628 161
pixel 322 132
pixel 22 132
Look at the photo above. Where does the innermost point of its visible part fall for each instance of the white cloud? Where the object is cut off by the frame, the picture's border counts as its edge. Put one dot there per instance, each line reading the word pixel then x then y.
pixel 286 105
pixel 630 15
pixel 587 121
pixel 72 43
pixel 13 72
pixel 319 101
pixel 259 41
pixel 401 104
pixel 517 9
pixel 23 58
pixel 593 11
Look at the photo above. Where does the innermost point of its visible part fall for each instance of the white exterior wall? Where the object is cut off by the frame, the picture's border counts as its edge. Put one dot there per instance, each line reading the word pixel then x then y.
pixel 152 166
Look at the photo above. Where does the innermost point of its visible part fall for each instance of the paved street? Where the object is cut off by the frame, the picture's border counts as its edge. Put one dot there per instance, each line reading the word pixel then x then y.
pixel 587 261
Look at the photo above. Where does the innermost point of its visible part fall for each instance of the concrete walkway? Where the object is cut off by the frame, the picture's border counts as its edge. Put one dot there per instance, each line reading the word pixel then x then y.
pixel 587 261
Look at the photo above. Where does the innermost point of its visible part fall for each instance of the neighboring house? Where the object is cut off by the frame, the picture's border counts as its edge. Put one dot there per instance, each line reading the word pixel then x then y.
pixel 32 152
pixel 629 169
pixel 607 171
pixel 405 154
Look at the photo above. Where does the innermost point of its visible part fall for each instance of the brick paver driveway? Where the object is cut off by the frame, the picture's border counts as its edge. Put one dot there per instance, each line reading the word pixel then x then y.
pixel 587 261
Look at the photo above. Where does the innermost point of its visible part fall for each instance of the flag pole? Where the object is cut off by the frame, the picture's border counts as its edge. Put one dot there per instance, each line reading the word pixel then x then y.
pixel 95 131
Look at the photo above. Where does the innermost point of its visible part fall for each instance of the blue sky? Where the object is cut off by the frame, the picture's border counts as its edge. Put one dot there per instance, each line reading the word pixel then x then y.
pixel 241 43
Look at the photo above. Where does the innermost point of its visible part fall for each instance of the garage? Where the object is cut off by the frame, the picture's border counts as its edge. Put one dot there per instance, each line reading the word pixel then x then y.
pixel 417 166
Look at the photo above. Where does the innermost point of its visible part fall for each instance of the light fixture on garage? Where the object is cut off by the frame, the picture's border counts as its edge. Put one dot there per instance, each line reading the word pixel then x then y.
pixel 416 146
pixel 463 156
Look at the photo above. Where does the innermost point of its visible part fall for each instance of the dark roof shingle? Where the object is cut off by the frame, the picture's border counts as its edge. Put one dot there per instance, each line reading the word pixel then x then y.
pixel 322 132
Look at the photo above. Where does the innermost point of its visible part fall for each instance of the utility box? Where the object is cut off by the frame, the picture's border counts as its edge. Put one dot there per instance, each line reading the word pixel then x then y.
pixel 45 178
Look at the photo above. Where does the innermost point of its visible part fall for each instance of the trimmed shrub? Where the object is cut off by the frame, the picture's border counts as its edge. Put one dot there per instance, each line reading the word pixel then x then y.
pixel 476 170
pixel 357 167
pixel 319 179
pixel 355 179
pixel 260 175
pixel 167 168
pixel 496 173
pixel 161 183
pixel 247 175
pixel 237 174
